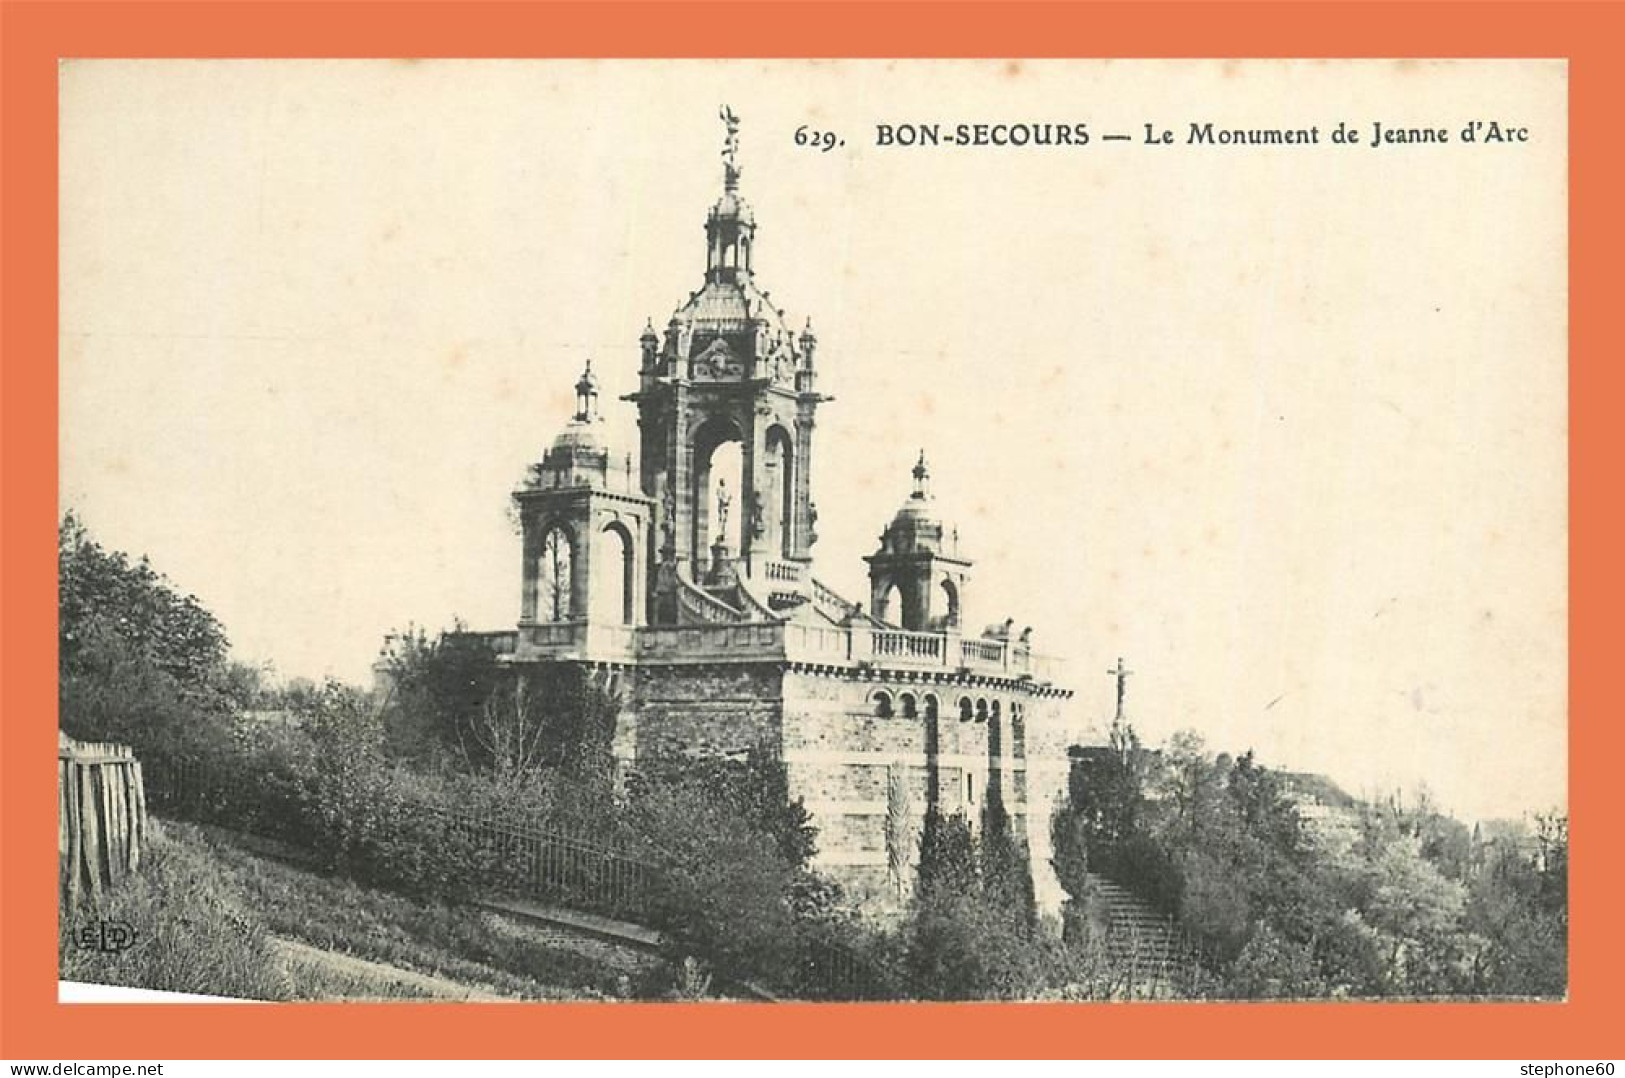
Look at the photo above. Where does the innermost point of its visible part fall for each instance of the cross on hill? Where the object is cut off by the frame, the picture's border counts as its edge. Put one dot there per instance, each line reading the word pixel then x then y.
pixel 1121 673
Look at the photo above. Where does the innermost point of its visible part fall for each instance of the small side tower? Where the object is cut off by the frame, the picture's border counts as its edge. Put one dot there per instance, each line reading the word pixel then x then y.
pixel 917 579
pixel 586 528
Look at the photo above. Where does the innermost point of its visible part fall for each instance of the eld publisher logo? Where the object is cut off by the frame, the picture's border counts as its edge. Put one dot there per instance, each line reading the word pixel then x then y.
pixel 108 937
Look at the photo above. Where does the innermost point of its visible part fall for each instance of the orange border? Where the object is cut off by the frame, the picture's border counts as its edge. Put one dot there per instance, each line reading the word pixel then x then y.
pixel 33 1025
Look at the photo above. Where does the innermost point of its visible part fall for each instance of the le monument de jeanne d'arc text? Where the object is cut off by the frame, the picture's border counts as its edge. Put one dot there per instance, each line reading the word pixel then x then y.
pixel 720 646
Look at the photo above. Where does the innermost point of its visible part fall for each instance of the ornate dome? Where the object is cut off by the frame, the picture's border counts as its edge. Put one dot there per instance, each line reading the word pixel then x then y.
pixel 731 205
pixel 580 437
pixel 916 527
pixel 582 454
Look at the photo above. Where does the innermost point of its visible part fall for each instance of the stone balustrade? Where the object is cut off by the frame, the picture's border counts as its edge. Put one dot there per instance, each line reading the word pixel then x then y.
pixel 760 641
pixel 783 572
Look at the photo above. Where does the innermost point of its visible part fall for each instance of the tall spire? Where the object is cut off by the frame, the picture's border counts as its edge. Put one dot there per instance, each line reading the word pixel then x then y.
pixel 730 229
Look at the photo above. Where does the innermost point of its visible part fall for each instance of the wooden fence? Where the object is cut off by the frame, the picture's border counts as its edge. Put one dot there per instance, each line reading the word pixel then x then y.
pixel 101 816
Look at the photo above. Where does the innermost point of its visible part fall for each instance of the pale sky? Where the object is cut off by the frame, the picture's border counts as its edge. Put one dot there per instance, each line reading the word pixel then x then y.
pixel 1284 427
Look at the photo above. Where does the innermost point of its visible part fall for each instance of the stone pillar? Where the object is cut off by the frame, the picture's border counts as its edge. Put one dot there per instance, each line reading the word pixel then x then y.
pixel 529 554
pixel 802 525
pixel 751 454
pixel 679 468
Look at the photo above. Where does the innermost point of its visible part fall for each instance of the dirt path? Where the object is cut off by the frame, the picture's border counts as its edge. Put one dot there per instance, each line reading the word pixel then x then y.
pixel 365 973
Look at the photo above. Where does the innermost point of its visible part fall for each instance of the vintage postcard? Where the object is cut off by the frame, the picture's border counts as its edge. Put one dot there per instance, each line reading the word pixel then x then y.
pixel 792 530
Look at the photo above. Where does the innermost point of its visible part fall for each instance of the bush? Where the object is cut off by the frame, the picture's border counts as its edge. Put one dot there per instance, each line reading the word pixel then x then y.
pixel 970 932
pixel 725 890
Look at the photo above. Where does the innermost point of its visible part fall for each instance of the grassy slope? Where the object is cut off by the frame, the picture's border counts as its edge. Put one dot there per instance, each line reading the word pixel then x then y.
pixel 209 914
pixel 194 931
pixel 473 947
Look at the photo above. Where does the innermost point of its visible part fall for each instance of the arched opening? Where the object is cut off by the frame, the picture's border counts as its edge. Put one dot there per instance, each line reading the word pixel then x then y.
pixel 719 488
pixel 778 492
pixel 907 705
pixel 554 599
pixel 967 710
pixel 890 609
pixel 981 710
pixel 613 575
pixel 882 702
pixel 950 603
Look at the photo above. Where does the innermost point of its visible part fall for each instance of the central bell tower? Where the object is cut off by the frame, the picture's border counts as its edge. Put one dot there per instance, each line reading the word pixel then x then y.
pixel 728 369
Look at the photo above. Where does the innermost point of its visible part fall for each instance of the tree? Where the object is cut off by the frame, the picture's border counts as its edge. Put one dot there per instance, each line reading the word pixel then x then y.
pixel 1517 903
pixel 138 662
pixel 105 590
pixel 452 701
pixel 1416 912
pixel 899 828
pixel 964 938
pixel 755 785
pixel 725 890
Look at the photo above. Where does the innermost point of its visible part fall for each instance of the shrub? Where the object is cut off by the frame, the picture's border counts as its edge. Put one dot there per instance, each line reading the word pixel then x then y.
pixel 725 889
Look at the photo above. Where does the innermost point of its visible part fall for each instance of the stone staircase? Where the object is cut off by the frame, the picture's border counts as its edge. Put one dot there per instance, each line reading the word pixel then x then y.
pixel 1145 945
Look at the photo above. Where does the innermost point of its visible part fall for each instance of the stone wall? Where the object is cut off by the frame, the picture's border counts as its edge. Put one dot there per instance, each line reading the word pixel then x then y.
pixel 707 709
pixel 841 754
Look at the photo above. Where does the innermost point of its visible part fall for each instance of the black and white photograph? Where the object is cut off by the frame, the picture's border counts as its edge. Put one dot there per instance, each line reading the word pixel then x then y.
pixel 791 530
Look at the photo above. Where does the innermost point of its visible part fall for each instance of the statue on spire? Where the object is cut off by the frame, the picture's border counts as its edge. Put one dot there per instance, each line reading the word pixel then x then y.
pixel 730 149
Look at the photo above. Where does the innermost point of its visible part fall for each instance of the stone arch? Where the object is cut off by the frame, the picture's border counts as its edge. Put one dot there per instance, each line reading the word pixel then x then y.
pixel 908 706
pixel 967 710
pixel 981 709
pixel 614 575
pixel 950 602
pixel 889 607
pixel 882 704
pixel 555 573
pixel 778 494
pixel 710 436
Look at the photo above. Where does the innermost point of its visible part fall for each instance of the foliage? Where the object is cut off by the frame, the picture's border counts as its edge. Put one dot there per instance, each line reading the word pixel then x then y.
pixel 1517 901
pixel 420 932
pixel 451 700
pixel 725 885
pixel 733 853
pixel 139 662
pixel 1402 902
pixel 755 787
pixel 970 932
pixel 194 931
pixel 899 827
